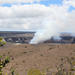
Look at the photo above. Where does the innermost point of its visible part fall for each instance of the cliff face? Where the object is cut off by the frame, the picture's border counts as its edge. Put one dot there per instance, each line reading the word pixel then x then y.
pixel 25 37
pixel 17 37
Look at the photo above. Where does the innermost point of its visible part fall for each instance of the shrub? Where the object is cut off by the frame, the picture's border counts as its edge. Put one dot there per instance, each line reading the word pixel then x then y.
pixel 6 60
pixel 34 72
pixel 12 71
pixel 2 41
pixel 3 63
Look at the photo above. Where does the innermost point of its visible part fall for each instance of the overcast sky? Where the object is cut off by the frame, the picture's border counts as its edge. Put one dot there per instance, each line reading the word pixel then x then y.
pixel 30 14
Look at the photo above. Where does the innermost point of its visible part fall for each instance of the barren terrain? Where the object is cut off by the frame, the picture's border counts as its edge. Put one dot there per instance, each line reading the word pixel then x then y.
pixel 42 56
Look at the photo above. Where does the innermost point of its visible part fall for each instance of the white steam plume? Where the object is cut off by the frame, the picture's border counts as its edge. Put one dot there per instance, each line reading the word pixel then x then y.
pixel 54 24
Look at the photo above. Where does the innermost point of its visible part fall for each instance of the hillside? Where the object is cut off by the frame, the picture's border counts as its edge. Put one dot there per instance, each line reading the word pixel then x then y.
pixel 41 56
pixel 25 37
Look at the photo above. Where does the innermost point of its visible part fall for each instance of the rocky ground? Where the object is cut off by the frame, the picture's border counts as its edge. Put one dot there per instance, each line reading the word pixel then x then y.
pixel 42 56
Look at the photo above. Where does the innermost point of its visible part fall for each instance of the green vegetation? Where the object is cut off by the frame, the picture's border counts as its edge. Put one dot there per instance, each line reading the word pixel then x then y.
pixel 34 72
pixel 12 71
pixel 2 41
pixel 7 60
pixel 3 63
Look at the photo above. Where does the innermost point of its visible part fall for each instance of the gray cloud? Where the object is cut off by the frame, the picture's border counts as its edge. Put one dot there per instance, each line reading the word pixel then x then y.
pixel 33 16
pixel 26 16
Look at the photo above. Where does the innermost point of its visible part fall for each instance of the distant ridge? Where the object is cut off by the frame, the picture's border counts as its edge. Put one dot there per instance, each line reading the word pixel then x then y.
pixel 26 36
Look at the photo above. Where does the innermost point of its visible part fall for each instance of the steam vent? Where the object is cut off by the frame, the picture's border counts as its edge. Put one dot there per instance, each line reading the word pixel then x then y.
pixel 25 37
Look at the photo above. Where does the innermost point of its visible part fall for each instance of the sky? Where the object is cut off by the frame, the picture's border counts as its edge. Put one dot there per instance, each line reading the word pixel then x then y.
pixel 31 14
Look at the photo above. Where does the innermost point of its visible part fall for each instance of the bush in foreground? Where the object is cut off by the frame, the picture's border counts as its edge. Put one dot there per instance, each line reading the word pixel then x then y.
pixel 2 41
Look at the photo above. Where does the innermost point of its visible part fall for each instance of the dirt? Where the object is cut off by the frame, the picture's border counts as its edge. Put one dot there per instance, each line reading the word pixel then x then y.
pixel 42 56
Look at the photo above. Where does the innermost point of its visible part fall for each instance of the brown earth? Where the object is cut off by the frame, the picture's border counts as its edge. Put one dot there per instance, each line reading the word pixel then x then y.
pixel 41 56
